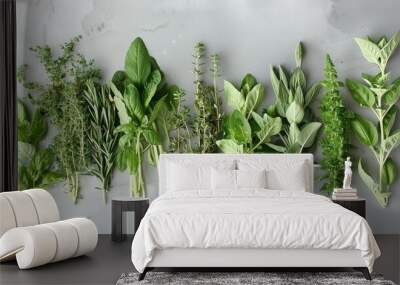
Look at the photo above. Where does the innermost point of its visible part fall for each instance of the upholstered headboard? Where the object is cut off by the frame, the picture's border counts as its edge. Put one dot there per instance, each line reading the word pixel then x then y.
pixel 284 160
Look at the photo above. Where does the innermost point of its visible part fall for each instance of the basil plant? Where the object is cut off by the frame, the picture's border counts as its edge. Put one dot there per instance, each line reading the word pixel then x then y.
pixel 138 96
pixel 380 96
pixel 293 99
pixel 245 131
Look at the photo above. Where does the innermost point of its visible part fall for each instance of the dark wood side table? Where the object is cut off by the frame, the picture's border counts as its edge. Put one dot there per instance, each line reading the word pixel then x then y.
pixel 120 205
pixel 357 206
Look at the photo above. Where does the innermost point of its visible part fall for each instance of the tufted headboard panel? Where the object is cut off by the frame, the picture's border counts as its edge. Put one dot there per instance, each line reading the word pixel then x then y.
pixel 272 160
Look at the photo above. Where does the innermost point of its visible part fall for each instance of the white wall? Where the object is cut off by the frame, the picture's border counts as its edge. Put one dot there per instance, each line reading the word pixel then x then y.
pixel 248 34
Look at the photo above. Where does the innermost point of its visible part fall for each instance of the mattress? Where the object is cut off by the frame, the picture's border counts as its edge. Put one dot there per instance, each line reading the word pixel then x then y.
pixel 250 219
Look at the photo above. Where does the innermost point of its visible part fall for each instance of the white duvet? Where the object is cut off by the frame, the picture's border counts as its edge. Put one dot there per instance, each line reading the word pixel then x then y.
pixel 250 219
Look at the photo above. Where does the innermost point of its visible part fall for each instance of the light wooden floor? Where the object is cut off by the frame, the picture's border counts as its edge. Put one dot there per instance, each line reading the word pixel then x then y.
pixel 110 260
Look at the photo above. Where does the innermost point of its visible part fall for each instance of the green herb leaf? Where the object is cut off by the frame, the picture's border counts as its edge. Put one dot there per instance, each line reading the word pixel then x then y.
pixel 133 102
pixel 389 172
pixel 233 97
pixel 360 93
pixel 295 113
pixel 369 49
pixel 239 127
pixel 151 86
pixel 137 62
pixel 389 119
pixel 229 146
pixel 248 82
pixel 312 93
pixel 365 130
pixel 254 98
pixel 299 54
pixel 308 134
pixel 152 137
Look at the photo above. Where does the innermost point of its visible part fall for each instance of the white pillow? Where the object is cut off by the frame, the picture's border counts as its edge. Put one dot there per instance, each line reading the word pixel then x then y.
pixel 183 177
pixel 251 178
pixel 223 179
pixel 281 175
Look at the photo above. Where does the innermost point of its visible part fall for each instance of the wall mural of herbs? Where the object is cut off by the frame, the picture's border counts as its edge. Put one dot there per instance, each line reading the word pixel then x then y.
pixel 36 163
pixel 293 99
pixel 62 100
pixel 245 131
pixel 102 140
pixel 380 96
pixel 207 125
pixel 335 142
pixel 139 95
pixel 138 116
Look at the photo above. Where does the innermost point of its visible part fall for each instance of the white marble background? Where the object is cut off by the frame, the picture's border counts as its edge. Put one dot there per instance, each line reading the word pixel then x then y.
pixel 249 35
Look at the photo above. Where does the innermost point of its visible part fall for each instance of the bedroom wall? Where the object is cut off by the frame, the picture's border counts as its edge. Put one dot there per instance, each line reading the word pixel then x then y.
pixel 248 34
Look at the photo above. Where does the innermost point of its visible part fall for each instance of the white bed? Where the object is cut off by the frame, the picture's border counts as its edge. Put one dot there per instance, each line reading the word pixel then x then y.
pixel 248 227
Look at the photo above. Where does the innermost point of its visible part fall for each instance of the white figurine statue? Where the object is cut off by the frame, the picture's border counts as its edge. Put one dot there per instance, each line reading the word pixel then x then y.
pixel 347 174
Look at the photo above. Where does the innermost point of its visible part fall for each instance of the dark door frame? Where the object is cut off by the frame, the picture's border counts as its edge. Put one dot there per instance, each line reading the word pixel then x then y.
pixel 8 97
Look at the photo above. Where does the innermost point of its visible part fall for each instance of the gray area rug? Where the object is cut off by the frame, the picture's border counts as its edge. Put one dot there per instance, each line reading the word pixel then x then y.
pixel 243 278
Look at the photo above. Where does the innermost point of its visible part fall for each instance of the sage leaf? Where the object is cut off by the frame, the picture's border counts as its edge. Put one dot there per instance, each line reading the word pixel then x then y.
pixel 294 134
pixel 389 119
pixel 254 98
pixel 274 81
pixel 299 54
pixel 390 143
pixel 390 46
pixel 308 134
pixel 239 127
pixel 369 50
pixel 360 93
pixel 368 180
pixel 233 97
pixel 312 93
pixel 389 172
pixel 295 113
pixel 258 119
pixel 277 148
pixel 393 94
pixel 120 105
pixel 298 79
pixel 229 146
pixel 282 77
pixel 365 130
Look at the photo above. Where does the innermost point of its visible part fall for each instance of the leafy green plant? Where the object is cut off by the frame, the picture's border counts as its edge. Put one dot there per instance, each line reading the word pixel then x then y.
pixel 102 141
pixel 207 125
pixel 36 167
pixel 293 99
pixel 379 96
pixel 335 138
pixel 175 122
pixel 244 129
pixel 62 99
pixel 139 95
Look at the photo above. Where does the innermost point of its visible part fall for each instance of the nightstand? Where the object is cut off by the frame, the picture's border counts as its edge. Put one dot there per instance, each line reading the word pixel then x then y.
pixel 357 206
pixel 120 205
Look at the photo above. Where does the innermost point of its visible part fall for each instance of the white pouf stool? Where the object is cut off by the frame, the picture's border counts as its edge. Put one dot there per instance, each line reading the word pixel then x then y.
pixel 31 230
